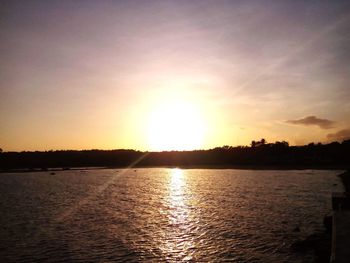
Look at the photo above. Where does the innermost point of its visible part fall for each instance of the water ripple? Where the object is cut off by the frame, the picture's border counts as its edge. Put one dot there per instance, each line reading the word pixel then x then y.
pixel 157 215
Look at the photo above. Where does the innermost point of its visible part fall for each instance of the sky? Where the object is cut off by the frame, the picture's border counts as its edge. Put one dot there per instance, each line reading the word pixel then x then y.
pixel 172 75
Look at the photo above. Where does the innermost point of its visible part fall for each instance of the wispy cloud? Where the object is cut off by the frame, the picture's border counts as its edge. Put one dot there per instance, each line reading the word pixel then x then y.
pixel 313 120
pixel 340 135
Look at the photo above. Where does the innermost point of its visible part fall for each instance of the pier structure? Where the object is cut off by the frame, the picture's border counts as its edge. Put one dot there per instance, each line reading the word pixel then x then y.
pixel 340 228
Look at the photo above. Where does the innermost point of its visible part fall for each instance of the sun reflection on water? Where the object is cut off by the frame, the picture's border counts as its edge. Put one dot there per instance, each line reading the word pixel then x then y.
pixel 177 183
pixel 179 239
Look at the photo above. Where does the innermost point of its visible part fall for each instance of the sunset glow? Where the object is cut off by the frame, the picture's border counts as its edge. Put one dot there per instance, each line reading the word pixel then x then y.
pixel 172 75
pixel 176 126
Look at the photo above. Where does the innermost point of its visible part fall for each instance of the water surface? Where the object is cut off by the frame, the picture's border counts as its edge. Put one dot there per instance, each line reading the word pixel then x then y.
pixel 152 215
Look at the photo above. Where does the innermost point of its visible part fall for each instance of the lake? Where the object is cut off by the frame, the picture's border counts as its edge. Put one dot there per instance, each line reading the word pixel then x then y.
pixel 168 215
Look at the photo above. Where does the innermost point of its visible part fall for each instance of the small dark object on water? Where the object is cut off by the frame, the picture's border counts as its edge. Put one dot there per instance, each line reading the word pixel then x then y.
pixel 296 229
pixel 52 173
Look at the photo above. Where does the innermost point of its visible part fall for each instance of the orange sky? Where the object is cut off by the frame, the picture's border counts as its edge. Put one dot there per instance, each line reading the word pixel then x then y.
pixel 172 74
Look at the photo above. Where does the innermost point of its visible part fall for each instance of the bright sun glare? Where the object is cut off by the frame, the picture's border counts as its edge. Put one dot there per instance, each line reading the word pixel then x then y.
pixel 177 125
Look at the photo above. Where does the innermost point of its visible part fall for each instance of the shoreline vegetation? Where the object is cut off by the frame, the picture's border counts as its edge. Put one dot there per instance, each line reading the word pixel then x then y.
pixel 260 155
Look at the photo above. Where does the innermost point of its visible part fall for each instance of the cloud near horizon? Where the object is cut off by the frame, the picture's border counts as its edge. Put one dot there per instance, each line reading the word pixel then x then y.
pixel 340 135
pixel 313 120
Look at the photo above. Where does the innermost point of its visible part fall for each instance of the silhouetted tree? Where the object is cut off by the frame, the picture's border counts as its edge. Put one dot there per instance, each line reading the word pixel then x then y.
pixel 259 143
pixel 260 153
pixel 282 144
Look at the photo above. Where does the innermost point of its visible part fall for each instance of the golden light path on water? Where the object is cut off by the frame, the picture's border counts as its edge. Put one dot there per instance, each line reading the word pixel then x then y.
pixel 162 215
pixel 179 239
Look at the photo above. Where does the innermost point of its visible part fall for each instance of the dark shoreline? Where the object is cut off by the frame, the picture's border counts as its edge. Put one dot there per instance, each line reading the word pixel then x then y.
pixel 188 167
pixel 261 156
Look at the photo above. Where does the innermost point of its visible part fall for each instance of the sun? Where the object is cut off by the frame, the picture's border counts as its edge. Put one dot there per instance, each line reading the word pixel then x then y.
pixel 176 125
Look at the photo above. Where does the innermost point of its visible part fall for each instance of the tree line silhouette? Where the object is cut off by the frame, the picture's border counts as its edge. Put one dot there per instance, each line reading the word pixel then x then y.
pixel 260 155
